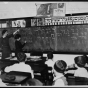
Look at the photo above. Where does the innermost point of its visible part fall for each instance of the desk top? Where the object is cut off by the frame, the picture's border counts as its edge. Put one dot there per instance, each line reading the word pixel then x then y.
pixel 20 77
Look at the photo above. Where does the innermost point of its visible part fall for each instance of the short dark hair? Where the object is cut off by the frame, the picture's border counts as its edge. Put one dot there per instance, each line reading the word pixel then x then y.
pixel 60 66
pixel 21 57
pixel 50 55
pixel 3 32
pixel 17 36
pixel 80 61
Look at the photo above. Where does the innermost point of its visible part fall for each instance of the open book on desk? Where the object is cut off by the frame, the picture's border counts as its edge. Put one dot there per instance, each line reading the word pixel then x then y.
pixel 34 58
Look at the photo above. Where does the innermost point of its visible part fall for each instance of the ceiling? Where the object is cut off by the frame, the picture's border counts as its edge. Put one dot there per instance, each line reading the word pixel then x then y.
pixel 28 9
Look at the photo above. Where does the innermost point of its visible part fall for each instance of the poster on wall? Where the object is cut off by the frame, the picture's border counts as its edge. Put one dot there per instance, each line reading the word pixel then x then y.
pixel 61 10
pixel 51 9
pixel 43 9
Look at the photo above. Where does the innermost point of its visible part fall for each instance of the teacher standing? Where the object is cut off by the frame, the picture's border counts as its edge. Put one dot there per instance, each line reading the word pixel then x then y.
pixel 6 51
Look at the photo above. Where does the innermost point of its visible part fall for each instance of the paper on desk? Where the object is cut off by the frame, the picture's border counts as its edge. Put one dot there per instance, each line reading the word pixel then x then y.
pixel 13 58
pixel 35 57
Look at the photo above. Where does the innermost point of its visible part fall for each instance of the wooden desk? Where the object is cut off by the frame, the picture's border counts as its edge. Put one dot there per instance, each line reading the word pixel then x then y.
pixel 74 80
pixel 37 65
pixel 20 77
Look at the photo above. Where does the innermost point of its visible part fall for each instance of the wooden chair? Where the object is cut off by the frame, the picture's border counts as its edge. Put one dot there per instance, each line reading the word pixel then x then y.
pixel 72 80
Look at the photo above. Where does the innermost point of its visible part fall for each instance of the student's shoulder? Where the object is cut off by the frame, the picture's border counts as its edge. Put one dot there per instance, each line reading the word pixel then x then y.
pixel 27 65
pixel 59 82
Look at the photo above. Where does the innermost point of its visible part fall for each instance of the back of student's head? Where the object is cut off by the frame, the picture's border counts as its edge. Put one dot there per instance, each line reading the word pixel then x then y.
pixel 80 61
pixel 21 57
pixel 17 36
pixel 60 66
pixel 50 55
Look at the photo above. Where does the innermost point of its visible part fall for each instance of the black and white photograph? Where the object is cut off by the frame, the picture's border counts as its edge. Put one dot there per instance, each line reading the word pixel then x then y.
pixel 43 44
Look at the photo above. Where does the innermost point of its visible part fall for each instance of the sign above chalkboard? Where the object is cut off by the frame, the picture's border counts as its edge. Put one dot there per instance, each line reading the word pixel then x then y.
pixel 3 24
pixel 43 21
pixel 38 22
pixel 66 20
pixel 19 23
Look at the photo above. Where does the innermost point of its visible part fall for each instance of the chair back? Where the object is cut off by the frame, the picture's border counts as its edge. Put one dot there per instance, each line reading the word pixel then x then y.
pixel 72 80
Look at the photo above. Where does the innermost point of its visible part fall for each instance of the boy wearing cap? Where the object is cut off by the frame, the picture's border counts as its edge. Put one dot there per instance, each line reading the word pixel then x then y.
pixel 58 69
pixel 80 64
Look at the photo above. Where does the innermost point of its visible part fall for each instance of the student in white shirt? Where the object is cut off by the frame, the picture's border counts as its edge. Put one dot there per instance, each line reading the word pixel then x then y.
pixel 58 69
pixel 49 61
pixel 21 66
pixel 80 62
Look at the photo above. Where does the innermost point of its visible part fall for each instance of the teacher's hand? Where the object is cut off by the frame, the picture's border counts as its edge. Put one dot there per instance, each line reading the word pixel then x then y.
pixel 25 42
pixel 16 32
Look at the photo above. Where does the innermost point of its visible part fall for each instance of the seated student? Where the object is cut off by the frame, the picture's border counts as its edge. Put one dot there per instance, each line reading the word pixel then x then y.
pixel 73 65
pixel 58 69
pixel 33 82
pixel 49 72
pixel 81 71
pixel 49 61
pixel 21 66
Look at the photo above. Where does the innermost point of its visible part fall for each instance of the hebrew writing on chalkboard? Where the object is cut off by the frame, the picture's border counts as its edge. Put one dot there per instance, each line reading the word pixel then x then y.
pixel 66 34
pixel 72 38
pixel 38 38
pixel 64 38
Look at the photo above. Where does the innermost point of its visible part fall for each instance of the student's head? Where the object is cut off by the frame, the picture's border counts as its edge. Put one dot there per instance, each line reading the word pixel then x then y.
pixel 59 67
pixel 80 61
pixel 4 33
pixel 50 55
pixel 21 57
pixel 17 36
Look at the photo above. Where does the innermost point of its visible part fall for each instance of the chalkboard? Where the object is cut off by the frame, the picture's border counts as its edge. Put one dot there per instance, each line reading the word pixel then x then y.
pixel 64 38
pixel 38 38
pixel 72 38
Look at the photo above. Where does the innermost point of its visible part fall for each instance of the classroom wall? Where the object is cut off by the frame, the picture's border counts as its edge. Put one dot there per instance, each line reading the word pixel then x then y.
pixel 71 7
pixel 27 9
